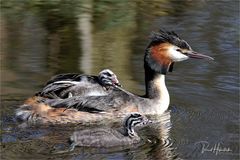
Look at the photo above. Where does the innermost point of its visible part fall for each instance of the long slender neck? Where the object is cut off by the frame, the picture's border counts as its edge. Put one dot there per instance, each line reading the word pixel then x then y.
pixel 156 88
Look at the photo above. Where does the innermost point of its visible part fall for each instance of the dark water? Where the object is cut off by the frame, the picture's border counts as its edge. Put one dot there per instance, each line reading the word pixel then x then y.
pixel 42 38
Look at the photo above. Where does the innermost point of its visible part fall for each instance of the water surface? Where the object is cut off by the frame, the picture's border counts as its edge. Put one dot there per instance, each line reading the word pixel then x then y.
pixel 40 39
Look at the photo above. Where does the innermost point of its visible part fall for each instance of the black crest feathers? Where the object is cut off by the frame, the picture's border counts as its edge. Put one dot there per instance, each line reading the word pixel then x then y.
pixel 168 37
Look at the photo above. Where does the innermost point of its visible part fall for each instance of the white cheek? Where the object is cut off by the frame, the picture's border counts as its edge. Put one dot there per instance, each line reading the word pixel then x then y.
pixel 177 56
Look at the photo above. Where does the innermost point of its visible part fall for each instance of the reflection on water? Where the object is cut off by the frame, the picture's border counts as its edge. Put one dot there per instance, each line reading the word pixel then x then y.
pixel 43 38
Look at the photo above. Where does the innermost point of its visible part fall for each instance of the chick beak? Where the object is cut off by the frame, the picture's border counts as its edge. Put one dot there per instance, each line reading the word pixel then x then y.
pixel 192 54
pixel 115 81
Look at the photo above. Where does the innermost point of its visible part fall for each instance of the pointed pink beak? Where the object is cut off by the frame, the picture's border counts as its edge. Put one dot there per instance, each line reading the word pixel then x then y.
pixel 115 81
pixel 192 54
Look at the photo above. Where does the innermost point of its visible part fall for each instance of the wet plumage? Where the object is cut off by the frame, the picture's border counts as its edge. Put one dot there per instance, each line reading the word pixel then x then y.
pixel 108 137
pixel 165 48
pixel 72 84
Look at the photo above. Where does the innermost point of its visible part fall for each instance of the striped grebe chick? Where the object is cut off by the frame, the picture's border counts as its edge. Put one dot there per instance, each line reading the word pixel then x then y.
pixel 108 137
pixel 164 49
pixel 71 84
pixel 64 86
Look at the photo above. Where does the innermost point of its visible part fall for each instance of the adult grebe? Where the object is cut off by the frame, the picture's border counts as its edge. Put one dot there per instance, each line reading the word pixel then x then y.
pixel 72 84
pixel 108 137
pixel 164 49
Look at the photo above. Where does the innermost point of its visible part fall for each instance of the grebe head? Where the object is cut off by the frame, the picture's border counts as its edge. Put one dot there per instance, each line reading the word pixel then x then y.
pixel 108 78
pixel 132 120
pixel 166 48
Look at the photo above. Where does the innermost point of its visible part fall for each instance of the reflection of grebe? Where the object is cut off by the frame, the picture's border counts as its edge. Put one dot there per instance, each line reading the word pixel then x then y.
pixel 70 84
pixel 107 137
pixel 164 49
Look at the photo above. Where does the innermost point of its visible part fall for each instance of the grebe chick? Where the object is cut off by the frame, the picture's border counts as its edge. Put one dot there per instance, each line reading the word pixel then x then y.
pixel 71 84
pixel 64 86
pixel 107 137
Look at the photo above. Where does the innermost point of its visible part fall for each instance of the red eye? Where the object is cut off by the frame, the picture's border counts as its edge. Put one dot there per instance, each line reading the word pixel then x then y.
pixel 179 50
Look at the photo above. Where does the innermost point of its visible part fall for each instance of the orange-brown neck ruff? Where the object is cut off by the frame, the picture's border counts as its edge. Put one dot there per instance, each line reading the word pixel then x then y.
pixel 157 62
pixel 159 53
pixel 157 58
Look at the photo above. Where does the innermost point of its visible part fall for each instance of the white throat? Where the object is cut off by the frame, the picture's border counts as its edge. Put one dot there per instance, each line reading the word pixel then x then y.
pixel 159 101
pixel 164 98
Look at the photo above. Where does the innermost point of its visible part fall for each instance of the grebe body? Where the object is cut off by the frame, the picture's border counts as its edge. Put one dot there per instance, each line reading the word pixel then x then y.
pixel 164 49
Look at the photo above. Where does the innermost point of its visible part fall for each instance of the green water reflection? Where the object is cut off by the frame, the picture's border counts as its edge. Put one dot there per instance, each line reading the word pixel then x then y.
pixel 41 38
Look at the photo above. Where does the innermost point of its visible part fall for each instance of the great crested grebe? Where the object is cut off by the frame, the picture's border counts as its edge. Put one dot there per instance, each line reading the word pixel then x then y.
pixel 72 84
pixel 108 137
pixel 164 49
